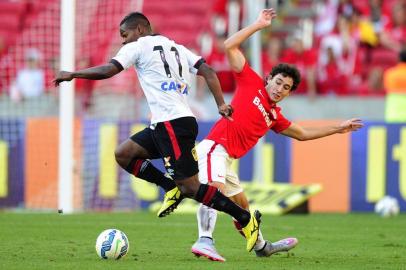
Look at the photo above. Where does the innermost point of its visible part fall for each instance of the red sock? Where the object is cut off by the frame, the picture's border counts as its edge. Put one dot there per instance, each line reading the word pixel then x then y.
pixel 238 226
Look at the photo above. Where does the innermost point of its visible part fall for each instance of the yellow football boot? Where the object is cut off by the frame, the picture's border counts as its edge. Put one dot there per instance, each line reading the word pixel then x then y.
pixel 171 200
pixel 251 230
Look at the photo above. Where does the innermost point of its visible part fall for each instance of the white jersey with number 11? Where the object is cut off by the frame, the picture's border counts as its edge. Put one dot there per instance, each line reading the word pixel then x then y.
pixel 163 69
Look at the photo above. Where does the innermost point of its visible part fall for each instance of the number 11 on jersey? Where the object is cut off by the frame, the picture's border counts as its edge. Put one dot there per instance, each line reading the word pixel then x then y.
pixel 166 65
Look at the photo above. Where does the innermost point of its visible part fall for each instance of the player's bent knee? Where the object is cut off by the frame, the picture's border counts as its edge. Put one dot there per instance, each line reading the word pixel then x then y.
pixel 189 186
pixel 118 156
pixel 186 190
pixel 220 186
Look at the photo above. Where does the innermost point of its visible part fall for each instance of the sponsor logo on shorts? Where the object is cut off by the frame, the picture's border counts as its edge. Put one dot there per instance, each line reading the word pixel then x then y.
pixel 166 161
pixel 171 172
pixel 194 154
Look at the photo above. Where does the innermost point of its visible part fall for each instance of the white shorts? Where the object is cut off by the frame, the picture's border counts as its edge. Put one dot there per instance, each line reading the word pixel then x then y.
pixel 215 166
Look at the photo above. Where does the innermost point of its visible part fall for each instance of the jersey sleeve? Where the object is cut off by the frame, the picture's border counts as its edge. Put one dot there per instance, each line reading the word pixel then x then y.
pixel 193 60
pixel 128 55
pixel 248 74
pixel 281 122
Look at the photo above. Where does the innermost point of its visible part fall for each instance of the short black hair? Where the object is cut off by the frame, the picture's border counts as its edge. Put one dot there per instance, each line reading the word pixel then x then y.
pixel 402 55
pixel 134 19
pixel 287 71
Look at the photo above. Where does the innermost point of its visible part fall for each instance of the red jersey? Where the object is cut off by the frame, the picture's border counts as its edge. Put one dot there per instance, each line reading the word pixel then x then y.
pixel 254 114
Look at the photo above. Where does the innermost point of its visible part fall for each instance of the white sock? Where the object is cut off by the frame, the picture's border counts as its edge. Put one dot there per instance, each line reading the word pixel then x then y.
pixel 206 220
pixel 260 242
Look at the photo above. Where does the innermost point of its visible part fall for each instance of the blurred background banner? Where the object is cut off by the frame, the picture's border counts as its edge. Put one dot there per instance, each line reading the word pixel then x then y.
pixel 378 165
pixel 351 55
pixel 352 172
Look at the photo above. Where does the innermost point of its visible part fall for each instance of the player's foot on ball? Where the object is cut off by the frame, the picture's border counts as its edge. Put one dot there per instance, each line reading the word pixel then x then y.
pixel 251 230
pixel 172 199
pixel 279 246
pixel 205 247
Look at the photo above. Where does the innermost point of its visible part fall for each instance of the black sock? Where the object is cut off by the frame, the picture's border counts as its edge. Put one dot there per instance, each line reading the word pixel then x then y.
pixel 212 197
pixel 144 169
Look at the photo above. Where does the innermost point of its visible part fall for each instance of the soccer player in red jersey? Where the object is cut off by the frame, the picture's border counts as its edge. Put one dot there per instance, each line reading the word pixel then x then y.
pixel 255 112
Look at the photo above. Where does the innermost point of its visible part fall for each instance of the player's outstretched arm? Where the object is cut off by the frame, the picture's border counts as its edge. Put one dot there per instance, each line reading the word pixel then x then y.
pixel 94 73
pixel 310 133
pixel 214 85
pixel 232 44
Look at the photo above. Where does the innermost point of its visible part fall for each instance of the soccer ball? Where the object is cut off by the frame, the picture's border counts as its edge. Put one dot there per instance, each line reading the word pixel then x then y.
pixel 112 244
pixel 387 206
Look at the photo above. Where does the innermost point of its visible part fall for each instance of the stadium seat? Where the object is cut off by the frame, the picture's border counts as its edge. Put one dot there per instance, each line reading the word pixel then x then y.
pixel 9 37
pixel 384 57
pixel 10 21
pixel 156 7
pixel 193 7
pixel 12 7
pixel 181 37
pixel 183 19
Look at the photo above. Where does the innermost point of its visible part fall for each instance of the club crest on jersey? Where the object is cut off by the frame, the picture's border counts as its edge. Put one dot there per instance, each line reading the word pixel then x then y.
pixel 175 86
pixel 257 102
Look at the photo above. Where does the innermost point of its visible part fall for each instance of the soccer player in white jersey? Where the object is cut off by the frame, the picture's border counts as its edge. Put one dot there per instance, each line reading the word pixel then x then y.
pixel 255 112
pixel 163 68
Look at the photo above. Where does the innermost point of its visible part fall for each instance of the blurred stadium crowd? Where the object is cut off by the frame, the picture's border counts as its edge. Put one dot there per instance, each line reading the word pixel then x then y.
pixel 342 47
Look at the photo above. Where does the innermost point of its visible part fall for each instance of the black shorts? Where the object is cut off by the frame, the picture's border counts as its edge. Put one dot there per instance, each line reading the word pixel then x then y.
pixel 174 142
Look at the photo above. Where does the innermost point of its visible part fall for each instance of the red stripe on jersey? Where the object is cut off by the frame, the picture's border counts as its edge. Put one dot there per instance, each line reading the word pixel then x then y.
pixel 172 136
pixel 209 178
pixel 137 166
pixel 209 195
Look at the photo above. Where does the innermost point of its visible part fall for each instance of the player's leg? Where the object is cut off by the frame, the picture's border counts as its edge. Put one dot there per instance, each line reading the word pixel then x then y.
pixel 204 245
pixel 263 248
pixel 176 140
pixel 212 169
pixel 242 201
pixel 207 216
pixel 133 154
pixel 212 197
pixel 206 222
pixel 234 190
pixel 278 246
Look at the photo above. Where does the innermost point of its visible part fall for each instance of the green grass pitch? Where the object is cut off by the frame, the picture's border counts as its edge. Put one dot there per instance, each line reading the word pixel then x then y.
pixel 326 241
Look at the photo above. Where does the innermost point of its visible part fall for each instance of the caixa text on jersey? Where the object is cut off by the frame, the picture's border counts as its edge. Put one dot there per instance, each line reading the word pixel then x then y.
pixel 175 86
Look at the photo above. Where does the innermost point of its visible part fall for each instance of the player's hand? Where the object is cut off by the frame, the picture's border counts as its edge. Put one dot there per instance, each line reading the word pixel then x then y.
pixel 63 76
pixel 226 111
pixel 265 17
pixel 351 125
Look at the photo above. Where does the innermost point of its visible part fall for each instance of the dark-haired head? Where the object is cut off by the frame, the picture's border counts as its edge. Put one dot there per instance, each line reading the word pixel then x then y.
pixel 282 80
pixel 287 71
pixel 134 26
pixel 134 19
